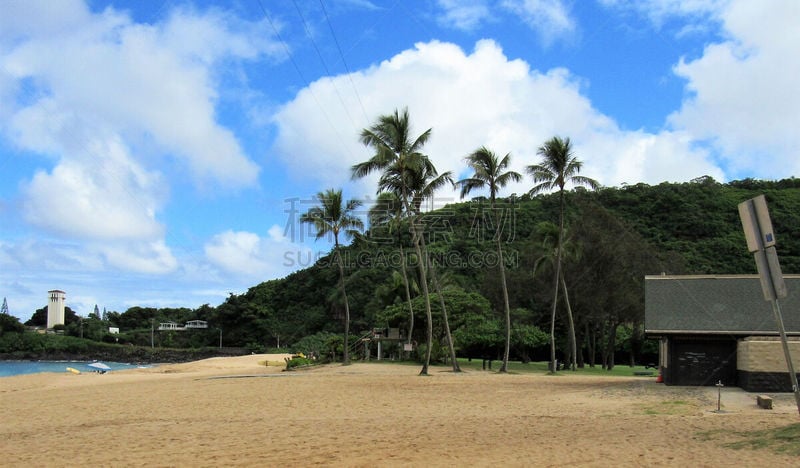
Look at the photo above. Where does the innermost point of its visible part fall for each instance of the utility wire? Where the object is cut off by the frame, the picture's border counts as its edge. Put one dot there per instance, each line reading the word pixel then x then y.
pixel 341 54
pixel 322 60
pixel 302 77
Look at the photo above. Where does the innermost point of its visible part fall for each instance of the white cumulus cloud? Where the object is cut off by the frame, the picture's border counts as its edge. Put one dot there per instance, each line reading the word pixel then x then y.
pixel 480 98
pixel 108 100
pixel 743 95
pixel 104 194
pixel 103 72
pixel 249 255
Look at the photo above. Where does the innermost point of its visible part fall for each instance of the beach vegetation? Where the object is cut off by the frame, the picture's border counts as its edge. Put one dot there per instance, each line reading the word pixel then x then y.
pixel 299 361
pixel 559 167
pixel 10 324
pixel 411 176
pixel 611 238
pixel 492 173
pixel 334 217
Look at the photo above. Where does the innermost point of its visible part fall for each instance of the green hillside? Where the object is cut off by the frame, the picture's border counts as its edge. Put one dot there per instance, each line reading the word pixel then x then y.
pixel 615 236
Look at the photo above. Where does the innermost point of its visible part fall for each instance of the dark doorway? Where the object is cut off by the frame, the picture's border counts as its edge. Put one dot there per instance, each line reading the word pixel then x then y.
pixel 702 361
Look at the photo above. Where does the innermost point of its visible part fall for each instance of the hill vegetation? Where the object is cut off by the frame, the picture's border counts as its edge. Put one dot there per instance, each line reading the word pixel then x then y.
pixel 614 237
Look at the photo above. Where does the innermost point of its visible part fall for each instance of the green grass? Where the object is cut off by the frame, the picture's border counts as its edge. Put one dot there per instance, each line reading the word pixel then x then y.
pixel 540 368
pixel 783 440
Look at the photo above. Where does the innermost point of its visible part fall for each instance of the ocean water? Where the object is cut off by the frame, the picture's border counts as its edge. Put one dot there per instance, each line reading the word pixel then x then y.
pixel 9 368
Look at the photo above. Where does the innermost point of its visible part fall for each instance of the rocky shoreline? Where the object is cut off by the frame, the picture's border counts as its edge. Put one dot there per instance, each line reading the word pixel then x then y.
pixel 130 354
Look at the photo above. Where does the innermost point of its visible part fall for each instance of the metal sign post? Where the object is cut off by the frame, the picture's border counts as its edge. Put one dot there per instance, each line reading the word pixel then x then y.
pixel 761 241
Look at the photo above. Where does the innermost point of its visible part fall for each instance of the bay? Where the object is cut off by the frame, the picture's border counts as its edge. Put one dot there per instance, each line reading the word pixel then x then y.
pixel 10 368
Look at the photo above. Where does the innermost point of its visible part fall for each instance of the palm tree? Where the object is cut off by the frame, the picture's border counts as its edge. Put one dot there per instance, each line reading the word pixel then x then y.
pixel 489 172
pixel 388 211
pixel 548 252
pixel 399 157
pixel 423 184
pixel 333 216
pixel 558 167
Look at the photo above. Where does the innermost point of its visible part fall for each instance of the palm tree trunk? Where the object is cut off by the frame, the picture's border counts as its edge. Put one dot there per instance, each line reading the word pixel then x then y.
pixel 451 347
pixel 553 367
pixel 346 359
pixel 423 279
pixel 504 366
pixel 555 283
pixel 408 292
pixel 573 342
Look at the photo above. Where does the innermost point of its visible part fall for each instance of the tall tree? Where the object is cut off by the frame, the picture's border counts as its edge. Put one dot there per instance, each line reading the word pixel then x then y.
pixel 558 167
pixel 333 216
pixel 388 211
pixel 423 184
pixel 399 158
pixel 490 172
pixel 548 252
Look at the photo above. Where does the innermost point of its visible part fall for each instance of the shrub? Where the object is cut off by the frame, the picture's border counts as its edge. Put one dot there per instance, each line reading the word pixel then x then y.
pixel 298 361
pixel 255 348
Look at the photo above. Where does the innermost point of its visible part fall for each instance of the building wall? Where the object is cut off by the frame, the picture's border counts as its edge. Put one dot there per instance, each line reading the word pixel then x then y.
pixel 761 364
pixel 55 308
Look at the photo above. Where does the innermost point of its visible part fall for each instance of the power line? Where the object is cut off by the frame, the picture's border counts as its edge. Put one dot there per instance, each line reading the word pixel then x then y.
pixel 341 54
pixel 300 73
pixel 322 60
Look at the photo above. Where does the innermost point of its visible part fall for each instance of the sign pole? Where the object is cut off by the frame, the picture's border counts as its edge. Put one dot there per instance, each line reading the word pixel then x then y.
pixel 776 309
pixel 760 239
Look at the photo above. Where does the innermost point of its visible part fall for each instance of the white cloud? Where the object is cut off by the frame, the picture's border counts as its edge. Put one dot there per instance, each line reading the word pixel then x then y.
pixel 109 99
pixel 26 17
pixel 45 255
pixel 660 11
pixel 249 255
pixel 743 97
pixel 152 257
pixel 104 194
pixel 108 74
pixel 550 19
pixel 469 100
pixel 464 15
pixel 36 256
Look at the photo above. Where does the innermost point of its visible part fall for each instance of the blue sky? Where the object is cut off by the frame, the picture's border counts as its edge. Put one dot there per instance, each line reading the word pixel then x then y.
pixel 150 150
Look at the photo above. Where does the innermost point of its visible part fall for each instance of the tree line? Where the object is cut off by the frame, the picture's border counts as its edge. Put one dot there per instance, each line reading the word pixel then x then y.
pixel 541 275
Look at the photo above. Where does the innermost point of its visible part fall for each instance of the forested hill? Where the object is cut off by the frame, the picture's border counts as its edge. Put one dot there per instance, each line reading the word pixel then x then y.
pixel 699 220
pixel 615 237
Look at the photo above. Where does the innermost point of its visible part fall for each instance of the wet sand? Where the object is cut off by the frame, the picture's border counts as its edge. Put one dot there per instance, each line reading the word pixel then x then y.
pixel 235 412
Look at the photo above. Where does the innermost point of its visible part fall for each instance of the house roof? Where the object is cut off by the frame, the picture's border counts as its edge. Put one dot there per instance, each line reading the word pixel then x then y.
pixel 716 304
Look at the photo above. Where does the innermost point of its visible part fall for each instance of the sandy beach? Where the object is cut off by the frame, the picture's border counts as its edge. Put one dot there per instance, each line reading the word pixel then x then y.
pixel 238 412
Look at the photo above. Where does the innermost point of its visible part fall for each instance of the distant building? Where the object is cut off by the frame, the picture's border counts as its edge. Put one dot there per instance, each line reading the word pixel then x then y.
pixel 196 324
pixel 55 308
pixel 177 327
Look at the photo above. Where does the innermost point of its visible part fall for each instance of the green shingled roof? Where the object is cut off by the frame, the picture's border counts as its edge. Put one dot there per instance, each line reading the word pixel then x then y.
pixel 716 304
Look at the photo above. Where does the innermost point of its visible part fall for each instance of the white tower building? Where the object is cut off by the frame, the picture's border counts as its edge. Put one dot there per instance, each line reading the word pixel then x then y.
pixel 55 308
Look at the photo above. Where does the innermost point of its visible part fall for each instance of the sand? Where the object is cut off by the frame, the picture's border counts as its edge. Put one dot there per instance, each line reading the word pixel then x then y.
pixel 235 412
